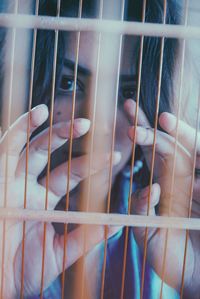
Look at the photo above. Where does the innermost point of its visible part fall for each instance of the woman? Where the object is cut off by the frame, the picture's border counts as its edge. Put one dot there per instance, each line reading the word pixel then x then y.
pixel 79 168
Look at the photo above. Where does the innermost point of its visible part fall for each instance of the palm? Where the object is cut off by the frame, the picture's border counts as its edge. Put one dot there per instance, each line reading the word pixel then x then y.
pixel 14 186
pixel 174 174
pixel 13 237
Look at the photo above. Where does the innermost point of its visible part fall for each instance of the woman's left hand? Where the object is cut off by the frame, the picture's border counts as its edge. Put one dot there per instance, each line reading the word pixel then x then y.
pixel 175 187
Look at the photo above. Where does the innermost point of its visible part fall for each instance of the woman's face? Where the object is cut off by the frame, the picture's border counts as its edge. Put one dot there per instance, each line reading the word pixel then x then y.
pixel 87 74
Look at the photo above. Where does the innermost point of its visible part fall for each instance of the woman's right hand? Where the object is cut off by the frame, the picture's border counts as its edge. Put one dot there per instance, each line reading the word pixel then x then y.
pixel 12 183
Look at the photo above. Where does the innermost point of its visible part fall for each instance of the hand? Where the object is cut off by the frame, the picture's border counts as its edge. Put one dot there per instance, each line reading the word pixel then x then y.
pixel 173 197
pixel 16 138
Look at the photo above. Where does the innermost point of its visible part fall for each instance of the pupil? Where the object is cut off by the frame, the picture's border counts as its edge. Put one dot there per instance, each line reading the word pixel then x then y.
pixel 128 93
pixel 66 83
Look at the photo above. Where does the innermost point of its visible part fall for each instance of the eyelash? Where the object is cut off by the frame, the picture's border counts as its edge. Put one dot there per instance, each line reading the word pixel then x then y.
pixel 127 92
pixel 70 80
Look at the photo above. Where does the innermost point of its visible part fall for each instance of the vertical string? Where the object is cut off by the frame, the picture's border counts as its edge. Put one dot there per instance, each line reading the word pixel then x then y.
pixel 94 107
pixel 27 149
pixel 133 150
pixel 154 147
pixel 49 145
pixel 111 157
pixel 191 194
pixel 175 148
pixel 10 95
pixel 82 285
pixel 70 147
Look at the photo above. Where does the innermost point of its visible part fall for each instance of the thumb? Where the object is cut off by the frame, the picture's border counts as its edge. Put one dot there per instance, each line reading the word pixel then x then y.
pixel 139 202
pixel 139 206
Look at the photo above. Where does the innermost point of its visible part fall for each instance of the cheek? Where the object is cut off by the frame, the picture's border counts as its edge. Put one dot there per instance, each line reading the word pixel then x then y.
pixel 63 110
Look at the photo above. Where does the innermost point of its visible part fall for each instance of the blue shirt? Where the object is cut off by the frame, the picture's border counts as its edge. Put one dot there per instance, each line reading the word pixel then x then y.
pixel 113 276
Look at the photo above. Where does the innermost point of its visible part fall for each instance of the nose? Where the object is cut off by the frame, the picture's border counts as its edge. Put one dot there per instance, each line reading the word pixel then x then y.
pixel 103 129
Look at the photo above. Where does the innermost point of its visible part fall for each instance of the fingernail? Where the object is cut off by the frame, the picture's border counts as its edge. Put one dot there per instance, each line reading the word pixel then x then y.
pixel 41 106
pixel 82 125
pixel 140 133
pixel 168 121
pixel 39 114
pixel 116 157
pixel 144 193
pixel 129 107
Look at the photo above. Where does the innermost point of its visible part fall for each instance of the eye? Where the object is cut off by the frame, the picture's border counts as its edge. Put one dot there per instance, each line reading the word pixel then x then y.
pixel 68 84
pixel 128 92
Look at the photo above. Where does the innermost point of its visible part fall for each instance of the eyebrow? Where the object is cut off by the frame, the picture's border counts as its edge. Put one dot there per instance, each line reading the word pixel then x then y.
pixel 85 71
pixel 71 65
pixel 128 78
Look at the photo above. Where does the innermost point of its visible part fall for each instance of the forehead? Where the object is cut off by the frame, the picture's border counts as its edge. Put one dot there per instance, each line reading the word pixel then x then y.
pixel 92 44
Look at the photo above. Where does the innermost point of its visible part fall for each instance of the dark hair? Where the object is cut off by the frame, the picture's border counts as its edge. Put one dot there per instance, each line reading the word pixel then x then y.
pixel 151 57
pixel 151 52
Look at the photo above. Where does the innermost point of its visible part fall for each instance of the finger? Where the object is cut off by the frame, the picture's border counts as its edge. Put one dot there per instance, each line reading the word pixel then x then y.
pixel 15 138
pixel 139 203
pixel 130 109
pixel 79 170
pixel 75 244
pixel 39 146
pixel 186 134
pixel 164 144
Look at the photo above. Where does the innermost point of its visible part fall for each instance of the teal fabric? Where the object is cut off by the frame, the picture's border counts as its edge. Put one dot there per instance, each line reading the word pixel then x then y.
pixel 113 276
pixel 115 253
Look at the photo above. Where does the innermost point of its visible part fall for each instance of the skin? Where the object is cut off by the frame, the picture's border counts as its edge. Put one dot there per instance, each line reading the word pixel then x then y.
pixel 79 172
pixel 63 104
pixel 177 204
pixel 63 109
pixel 36 200
pixel 180 196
